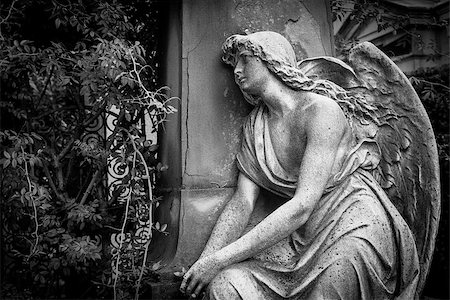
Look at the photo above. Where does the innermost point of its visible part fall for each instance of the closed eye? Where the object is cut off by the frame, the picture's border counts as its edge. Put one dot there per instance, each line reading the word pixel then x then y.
pixel 245 55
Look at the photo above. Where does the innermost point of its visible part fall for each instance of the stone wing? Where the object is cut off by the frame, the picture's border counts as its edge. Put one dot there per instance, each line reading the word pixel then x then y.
pixel 409 169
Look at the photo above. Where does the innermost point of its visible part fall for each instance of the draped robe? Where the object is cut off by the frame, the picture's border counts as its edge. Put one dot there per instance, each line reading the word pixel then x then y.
pixel 355 245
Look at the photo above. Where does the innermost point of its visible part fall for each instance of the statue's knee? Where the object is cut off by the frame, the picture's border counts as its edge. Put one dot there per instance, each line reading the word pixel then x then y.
pixel 339 281
pixel 221 287
pixel 343 270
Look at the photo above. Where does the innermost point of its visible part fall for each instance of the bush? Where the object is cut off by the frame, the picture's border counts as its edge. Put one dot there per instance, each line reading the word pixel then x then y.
pixel 432 85
pixel 78 83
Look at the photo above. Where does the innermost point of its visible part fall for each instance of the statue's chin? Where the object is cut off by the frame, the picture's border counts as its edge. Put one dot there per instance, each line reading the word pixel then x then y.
pixel 248 89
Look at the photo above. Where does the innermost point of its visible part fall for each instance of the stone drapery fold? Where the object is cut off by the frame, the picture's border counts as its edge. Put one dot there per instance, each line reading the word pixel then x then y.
pixel 354 228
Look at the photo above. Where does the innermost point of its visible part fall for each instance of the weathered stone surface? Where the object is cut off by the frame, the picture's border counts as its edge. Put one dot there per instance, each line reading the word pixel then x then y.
pixel 197 219
pixel 303 23
pixel 212 108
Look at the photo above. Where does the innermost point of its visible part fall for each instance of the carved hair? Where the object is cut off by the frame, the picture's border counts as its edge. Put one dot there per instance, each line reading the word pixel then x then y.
pixel 279 56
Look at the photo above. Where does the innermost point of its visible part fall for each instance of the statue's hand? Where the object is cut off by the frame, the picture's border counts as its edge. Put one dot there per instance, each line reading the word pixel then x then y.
pixel 200 275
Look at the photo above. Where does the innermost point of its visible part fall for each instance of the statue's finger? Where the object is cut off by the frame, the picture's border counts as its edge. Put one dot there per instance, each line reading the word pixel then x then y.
pixel 198 290
pixel 184 282
pixel 192 284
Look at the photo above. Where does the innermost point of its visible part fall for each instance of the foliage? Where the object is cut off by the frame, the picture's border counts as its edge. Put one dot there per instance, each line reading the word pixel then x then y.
pixel 66 68
pixel 432 85
pixel 362 11
pixel 359 10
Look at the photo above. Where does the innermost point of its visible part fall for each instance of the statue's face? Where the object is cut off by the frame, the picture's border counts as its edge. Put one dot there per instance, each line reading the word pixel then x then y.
pixel 250 73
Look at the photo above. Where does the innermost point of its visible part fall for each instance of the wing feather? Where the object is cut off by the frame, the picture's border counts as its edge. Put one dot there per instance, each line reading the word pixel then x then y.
pixel 408 170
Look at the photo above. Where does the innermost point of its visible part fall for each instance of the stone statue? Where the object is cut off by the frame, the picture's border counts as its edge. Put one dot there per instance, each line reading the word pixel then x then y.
pixel 351 152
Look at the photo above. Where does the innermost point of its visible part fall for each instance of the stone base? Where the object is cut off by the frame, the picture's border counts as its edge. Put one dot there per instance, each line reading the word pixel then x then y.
pixel 199 211
pixel 167 290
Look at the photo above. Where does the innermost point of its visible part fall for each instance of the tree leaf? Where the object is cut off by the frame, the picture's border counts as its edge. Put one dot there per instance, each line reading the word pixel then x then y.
pixel 156 266
pixel 6 163
pixel 36 136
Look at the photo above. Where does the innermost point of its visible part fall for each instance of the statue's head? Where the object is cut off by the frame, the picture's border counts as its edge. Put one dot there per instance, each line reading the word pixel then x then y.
pixel 270 46
pixel 273 49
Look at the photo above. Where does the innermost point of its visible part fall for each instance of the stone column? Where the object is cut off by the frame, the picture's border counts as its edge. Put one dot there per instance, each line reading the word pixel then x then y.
pixel 212 108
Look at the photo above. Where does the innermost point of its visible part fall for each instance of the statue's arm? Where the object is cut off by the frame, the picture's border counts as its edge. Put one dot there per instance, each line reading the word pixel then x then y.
pixel 325 129
pixel 235 216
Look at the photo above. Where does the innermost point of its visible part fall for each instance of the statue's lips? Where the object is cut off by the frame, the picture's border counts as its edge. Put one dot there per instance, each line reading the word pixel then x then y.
pixel 241 80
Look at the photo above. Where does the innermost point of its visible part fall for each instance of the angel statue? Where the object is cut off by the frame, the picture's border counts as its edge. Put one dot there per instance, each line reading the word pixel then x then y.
pixel 349 153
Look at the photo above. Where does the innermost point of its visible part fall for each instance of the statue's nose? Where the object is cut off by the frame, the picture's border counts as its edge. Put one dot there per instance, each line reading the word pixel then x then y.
pixel 238 69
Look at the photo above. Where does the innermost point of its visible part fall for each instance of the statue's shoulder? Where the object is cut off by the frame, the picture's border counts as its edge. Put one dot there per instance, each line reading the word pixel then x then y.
pixel 320 107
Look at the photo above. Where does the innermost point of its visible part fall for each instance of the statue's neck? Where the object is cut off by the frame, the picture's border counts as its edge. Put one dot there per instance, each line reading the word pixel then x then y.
pixel 279 98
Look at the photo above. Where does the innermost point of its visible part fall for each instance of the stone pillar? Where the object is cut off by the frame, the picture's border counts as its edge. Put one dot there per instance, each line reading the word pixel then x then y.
pixel 212 108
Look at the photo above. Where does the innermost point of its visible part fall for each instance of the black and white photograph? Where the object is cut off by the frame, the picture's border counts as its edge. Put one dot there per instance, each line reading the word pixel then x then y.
pixel 224 149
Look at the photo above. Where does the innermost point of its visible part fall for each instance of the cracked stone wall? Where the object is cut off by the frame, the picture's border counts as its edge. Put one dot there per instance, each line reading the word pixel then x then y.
pixel 212 105
pixel 212 108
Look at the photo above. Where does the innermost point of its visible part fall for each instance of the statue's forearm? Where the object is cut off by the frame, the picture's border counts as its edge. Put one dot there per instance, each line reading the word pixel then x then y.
pixel 230 225
pixel 279 224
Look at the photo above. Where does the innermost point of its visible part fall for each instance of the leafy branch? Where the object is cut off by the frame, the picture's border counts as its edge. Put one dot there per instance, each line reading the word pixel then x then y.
pixel 6 18
pixel 58 213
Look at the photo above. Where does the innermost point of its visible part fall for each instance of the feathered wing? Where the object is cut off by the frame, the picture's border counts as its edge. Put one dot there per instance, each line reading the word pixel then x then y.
pixel 409 169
